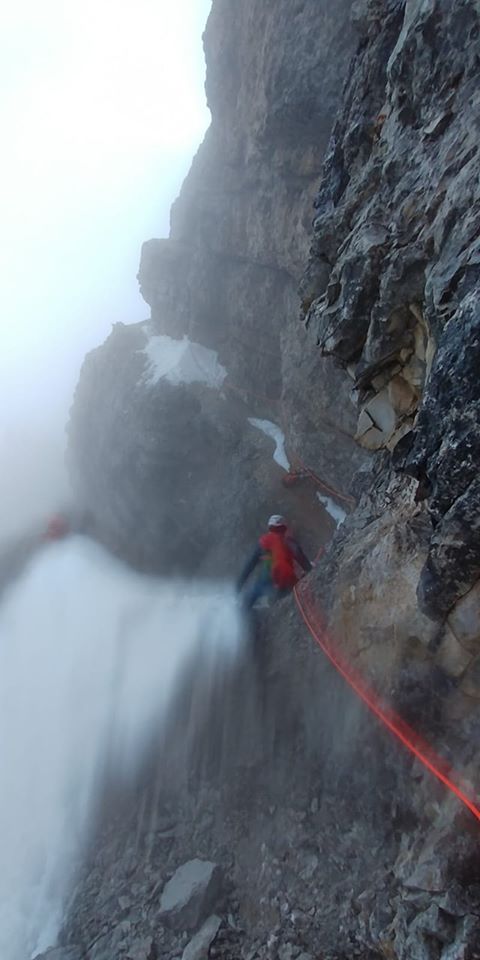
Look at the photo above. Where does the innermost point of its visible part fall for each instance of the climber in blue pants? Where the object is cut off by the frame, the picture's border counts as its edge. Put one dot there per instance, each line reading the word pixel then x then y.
pixel 262 586
pixel 277 553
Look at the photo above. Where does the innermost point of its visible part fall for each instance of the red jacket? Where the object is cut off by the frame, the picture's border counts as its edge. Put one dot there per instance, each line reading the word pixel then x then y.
pixel 280 559
pixel 279 552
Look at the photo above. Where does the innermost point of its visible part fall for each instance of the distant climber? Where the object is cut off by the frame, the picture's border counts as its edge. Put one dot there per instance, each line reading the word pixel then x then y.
pixel 57 528
pixel 278 555
pixel 377 127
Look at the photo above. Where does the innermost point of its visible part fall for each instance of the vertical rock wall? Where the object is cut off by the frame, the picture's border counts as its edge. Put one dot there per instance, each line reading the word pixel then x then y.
pixel 391 289
pixel 227 279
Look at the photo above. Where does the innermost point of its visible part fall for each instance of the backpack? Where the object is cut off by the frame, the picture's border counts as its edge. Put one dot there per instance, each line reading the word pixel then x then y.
pixel 280 559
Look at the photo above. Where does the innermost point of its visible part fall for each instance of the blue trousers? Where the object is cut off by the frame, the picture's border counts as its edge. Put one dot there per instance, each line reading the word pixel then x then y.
pixel 262 586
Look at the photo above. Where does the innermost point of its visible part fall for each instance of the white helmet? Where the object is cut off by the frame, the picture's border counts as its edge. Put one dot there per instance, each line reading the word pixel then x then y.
pixel 277 521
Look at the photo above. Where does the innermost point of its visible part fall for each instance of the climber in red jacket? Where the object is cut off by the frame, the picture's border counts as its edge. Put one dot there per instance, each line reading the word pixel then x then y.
pixel 57 528
pixel 278 553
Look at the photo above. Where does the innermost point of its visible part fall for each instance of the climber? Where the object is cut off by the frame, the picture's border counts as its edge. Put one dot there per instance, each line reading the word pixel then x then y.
pixel 57 528
pixel 278 554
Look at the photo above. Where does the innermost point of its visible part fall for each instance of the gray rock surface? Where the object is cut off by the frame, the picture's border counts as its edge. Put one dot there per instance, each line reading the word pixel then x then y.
pixel 191 894
pixel 142 465
pixel 227 279
pixel 391 290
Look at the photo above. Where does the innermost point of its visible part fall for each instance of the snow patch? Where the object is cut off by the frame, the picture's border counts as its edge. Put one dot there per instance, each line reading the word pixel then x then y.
pixel 333 509
pixel 182 361
pixel 275 433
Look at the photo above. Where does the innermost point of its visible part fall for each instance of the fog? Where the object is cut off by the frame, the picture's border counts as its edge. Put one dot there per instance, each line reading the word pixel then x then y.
pixel 91 656
pixel 103 107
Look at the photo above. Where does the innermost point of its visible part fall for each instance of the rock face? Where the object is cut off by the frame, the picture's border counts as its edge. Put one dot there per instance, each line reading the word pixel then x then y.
pixel 391 290
pixel 226 278
pixel 164 437
pixel 333 842
pixel 167 431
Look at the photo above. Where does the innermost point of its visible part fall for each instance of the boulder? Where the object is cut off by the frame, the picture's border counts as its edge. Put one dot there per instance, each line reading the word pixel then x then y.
pixel 191 894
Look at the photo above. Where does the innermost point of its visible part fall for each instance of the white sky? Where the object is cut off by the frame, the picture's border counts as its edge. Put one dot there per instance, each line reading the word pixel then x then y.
pixel 103 107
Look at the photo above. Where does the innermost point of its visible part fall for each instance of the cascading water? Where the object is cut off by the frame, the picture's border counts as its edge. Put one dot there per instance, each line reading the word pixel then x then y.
pixel 91 656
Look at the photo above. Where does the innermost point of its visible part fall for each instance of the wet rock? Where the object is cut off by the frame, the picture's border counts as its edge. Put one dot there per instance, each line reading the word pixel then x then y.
pixel 189 896
pixel 198 948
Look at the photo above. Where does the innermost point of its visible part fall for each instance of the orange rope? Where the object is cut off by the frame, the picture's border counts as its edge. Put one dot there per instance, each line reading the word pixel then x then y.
pixel 345 498
pixel 422 751
pixel 405 734
pixel 249 393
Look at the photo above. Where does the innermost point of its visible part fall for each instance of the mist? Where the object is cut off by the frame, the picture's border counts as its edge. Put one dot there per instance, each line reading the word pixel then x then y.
pixel 103 108
pixel 91 656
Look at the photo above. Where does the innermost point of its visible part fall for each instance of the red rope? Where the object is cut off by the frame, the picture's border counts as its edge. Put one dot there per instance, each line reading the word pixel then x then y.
pixel 411 740
pixel 304 470
pixel 244 392
pixel 422 751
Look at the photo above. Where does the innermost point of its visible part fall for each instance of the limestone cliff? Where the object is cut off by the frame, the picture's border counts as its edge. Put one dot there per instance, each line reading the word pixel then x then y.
pixel 333 843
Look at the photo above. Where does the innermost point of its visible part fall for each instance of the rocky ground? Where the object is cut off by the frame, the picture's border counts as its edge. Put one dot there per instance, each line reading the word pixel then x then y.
pixel 298 828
